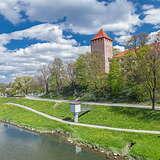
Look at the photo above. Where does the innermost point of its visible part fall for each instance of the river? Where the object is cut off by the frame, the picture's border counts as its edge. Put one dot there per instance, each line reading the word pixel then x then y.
pixel 19 144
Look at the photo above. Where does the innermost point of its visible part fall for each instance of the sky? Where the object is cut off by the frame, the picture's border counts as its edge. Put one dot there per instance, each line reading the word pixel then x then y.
pixel 34 32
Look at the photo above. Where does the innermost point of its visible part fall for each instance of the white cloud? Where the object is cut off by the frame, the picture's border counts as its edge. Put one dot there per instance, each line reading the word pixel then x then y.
pixel 123 39
pixel 46 32
pixel 82 16
pixel 153 36
pixel 120 48
pixel 11 10
pixel 152 16
pixel 26 61
pixel 147 6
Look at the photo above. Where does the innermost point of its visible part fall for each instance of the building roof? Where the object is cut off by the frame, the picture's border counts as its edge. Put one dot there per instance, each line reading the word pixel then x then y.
pixel 101 34
pixel 121 54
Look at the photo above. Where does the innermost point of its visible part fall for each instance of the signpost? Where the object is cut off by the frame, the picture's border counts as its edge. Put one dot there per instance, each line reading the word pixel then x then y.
pixel 76 109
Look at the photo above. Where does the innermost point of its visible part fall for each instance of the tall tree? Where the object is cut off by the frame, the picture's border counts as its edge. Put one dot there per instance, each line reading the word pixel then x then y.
pixel 58 75
pixel 137 41
pixel 144 68
pixel 71 74
pixel 90 73
pixel 149 70
pixel 44 77
pixel 115 79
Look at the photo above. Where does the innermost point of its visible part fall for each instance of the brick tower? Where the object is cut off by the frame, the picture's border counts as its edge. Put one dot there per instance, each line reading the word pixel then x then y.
pixel 102 44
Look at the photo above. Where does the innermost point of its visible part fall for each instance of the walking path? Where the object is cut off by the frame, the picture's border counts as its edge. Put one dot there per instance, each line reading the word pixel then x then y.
pixel 95 103
pixel 85 125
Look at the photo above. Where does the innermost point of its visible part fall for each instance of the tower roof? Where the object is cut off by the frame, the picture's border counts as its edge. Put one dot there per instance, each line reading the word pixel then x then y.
pixel 101 34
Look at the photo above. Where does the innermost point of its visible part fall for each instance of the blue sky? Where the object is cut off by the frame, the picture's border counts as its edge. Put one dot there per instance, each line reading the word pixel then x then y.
pixel 34 32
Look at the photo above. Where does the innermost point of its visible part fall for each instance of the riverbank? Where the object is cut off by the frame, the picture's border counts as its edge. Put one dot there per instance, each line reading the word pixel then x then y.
pixel 20 144
pixel 117 117
pixel 68 139
pixel 145 146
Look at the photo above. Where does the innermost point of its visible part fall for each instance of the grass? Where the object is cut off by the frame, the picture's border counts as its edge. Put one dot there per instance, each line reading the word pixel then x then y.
pixel 25 118
pixel 146 146
pixel 132 118
pixel 60 110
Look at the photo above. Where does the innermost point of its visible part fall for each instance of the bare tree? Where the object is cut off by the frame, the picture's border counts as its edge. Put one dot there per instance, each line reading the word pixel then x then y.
pixel 57 74
pixel 137 41
pixel 44 75
pixel 71 69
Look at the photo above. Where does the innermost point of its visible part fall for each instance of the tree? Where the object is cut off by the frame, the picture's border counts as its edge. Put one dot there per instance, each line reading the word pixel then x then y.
pixel 115 79
pixel 2 89
pixel 81 71
pixel 37 85
pixel 22 85
pixel 133 88
pixel 44 77
pixel 71 74
pixel 58 76
pixel 149 70
pixel 137 41
pixel 143 68
pixel 90 74
pixel 116 51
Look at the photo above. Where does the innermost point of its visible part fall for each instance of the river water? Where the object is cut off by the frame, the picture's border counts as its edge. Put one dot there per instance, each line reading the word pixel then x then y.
pixel 18 144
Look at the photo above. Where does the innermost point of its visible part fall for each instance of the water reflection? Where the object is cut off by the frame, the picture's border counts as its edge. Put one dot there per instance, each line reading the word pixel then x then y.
pixel 78 149
pixel 17 144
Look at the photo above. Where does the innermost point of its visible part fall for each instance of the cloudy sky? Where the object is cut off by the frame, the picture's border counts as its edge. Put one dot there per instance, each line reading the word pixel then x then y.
pixel 34 32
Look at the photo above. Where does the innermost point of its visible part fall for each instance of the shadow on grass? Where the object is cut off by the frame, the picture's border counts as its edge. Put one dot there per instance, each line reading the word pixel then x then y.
pixel 68 119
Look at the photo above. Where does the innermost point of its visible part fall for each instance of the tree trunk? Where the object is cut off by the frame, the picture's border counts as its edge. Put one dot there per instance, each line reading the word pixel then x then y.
pixel 46 89
pixel 153 99
pixel 154 88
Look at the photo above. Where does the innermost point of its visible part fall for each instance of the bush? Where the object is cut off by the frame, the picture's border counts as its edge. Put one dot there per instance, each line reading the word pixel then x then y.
pixel 88 97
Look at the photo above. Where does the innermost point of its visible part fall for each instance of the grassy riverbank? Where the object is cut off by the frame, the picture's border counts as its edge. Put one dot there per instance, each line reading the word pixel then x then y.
pixel 132 118
pixel 147 146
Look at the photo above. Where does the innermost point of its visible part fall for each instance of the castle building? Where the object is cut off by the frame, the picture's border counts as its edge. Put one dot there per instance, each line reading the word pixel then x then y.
pixel 102 44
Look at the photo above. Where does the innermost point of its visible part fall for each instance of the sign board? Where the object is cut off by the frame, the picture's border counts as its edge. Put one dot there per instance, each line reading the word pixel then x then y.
pixel 75 108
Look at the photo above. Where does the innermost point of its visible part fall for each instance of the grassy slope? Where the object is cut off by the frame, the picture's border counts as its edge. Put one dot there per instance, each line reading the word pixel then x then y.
pixel 60 110
pixel 123 117
pixel 109 116
pixel 146 145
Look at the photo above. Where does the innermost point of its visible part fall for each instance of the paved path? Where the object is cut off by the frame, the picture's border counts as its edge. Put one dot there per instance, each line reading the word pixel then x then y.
pixel 95 103
pixel 86 125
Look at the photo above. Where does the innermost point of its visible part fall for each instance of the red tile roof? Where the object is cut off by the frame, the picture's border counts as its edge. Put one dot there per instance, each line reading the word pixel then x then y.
pixel 121 54
pixel 101 34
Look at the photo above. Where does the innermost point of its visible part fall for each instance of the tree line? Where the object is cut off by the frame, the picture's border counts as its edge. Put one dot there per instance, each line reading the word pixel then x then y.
pixel 132 77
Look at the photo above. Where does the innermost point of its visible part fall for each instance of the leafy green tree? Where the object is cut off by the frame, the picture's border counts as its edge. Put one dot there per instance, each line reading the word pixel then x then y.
pixel 2 89
pixel 90 74
pixel 149 70
pixel 133 90
pixel 22 85
pixel 115 79
pixel 81 71
pixel 142 70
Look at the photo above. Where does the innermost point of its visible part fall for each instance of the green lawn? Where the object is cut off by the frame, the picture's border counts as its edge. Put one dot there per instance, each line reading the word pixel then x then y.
pixel 132 118
pixel 61 110
pixel 146 146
